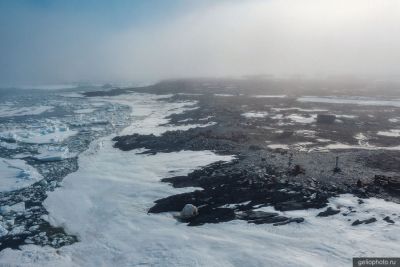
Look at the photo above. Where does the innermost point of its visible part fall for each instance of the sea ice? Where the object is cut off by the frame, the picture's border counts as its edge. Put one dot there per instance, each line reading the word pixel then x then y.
pixel 47 132
pixel 84 110
pixel 53 153
pixel 11 111
pixel 3 230
pixel 8 145
pixel 16 174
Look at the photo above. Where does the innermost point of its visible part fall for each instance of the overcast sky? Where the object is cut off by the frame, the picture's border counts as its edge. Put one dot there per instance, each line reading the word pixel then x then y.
pixel 53 41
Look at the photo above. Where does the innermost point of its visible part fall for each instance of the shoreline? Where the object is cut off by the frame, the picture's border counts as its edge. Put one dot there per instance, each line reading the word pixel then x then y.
pixel 107 200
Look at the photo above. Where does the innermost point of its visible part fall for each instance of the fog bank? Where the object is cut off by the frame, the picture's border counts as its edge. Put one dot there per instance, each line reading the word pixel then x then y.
pixel 224 38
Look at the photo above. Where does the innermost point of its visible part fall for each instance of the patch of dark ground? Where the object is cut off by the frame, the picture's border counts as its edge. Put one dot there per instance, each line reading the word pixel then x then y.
pixel 259 176
pixel 391 161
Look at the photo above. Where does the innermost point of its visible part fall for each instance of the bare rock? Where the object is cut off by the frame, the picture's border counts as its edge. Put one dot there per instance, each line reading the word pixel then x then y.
pixel 387 219
pixel 328 212
pixel 367 221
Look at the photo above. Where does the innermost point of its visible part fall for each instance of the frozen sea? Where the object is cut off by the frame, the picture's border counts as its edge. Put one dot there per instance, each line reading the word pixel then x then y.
pixel 104 202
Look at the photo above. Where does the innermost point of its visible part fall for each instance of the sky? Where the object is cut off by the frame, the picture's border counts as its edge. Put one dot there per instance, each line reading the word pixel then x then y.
pixel 49 42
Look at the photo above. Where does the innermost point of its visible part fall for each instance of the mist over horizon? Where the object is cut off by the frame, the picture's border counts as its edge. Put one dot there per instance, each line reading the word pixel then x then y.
pixel 53 42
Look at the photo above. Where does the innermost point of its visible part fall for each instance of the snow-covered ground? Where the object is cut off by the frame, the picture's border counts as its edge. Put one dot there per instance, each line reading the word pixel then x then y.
pixel 337 146
pixel 302 119
pixel 255 114
pixel 299 109
pixel 390 133
pixel 278 146
pixel 364 101
pixel 224 95
pixel 268 96
pixel 105 204
pixel 362 144
pixel 148 110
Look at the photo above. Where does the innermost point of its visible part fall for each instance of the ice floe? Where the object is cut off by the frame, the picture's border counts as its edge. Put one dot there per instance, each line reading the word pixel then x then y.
pixel 84 110
pixel 8 145
pixel 53 153
pixel 48 131
pixel 18 207
pixel 16 174
pixel 12 111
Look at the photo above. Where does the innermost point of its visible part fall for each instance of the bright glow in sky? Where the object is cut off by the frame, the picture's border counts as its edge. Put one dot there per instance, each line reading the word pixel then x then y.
pixel 65 41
